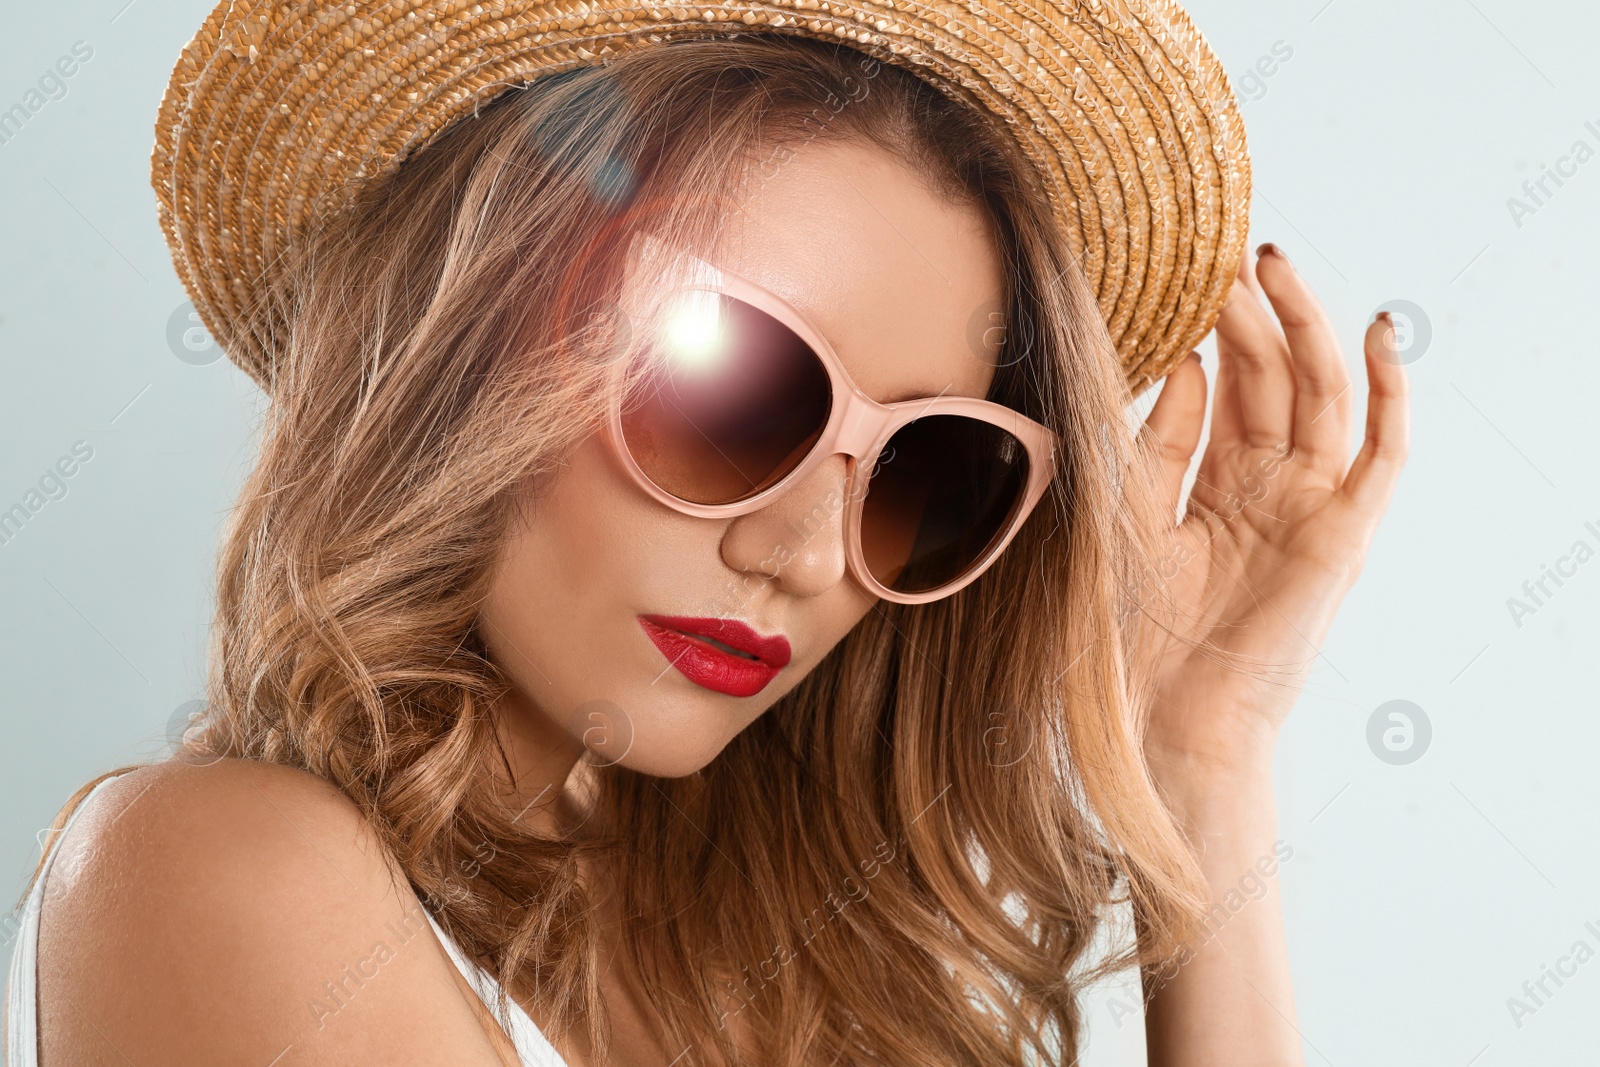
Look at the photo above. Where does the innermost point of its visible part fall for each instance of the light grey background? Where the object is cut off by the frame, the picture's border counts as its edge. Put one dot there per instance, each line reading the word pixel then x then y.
pixel 1386 145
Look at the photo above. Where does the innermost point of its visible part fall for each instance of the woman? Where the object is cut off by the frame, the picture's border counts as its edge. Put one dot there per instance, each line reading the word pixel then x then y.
pixel 700 597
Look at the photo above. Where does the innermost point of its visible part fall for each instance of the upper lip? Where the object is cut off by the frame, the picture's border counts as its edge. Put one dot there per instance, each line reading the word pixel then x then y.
pixel 772 651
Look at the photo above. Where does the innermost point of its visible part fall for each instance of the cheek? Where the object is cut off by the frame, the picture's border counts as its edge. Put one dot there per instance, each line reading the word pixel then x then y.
pixel 827 620
pixel 586 538
pixel 590 523
pixel 589 553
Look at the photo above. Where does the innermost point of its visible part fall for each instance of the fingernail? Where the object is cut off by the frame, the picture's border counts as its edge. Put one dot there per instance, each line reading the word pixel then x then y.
pixel 1385 318
pixel 1270 249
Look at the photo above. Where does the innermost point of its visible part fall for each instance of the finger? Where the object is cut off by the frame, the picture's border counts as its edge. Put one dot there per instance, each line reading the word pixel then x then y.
pixel 1247 273
pixel 1227 421
pixel 1323 397
pixel 1372 477
pixel 1251 347
pixel 1172 429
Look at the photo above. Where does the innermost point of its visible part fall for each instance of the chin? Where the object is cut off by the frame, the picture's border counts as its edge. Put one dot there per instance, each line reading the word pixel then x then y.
pixel 672 731
pixel 680 740
pixel 671 760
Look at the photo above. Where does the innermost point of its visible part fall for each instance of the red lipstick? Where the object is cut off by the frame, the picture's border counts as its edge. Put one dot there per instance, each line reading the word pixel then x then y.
pixel 723 655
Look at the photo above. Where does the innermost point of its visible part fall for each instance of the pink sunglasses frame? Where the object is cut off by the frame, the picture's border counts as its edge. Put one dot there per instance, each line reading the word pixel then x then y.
pixel 859 428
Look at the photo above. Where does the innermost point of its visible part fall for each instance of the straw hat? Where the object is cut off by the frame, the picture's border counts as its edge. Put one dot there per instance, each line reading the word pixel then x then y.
pixel 277 111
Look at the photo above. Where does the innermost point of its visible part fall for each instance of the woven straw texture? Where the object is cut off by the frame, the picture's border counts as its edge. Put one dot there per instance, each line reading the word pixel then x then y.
pixel 276 111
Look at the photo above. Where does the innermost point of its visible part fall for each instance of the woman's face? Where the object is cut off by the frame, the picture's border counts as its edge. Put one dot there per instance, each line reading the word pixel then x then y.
pixel 895 278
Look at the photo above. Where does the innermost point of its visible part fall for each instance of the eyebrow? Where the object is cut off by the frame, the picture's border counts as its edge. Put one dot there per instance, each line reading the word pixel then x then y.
pixel 902 397
pixel 898 398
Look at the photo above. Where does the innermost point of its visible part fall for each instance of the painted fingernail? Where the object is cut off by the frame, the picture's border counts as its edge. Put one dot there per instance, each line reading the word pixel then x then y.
pixel 1385 318
pixel 1270 249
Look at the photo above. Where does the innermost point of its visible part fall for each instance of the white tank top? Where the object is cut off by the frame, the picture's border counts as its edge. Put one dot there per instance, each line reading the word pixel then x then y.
pixel 22 1003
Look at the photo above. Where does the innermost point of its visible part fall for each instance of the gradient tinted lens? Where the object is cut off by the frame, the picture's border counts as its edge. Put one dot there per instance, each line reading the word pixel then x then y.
pixel 944 489
pixel 732 400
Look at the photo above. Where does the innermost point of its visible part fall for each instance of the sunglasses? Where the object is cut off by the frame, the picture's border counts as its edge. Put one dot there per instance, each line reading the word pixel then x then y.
pixel 736 397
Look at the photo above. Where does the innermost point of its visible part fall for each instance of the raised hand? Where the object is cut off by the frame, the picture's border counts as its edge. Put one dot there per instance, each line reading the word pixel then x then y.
pixel 1279 520
pixel 1275 531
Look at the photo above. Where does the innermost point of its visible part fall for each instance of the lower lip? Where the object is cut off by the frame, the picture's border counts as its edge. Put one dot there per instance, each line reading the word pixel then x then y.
pixel 710 667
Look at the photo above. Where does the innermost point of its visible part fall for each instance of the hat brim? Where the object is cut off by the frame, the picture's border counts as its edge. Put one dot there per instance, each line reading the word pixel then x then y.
pixel 276 113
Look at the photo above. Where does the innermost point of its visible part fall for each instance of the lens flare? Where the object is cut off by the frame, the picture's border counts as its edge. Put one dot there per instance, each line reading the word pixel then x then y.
pixel 694 330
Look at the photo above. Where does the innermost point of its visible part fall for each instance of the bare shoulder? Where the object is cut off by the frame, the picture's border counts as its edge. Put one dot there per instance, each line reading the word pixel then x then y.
pixel 189 832
pixel 239 912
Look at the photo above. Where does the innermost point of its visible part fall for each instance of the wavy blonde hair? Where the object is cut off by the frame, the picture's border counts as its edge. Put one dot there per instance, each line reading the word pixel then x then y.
pixel 906 859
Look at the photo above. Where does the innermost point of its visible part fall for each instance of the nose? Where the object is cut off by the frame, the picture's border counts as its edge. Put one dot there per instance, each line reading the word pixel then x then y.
pixel 797 540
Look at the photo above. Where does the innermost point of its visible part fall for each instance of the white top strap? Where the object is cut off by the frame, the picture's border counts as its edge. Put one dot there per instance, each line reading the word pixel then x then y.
pixel 533 1048
pixel 22 987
